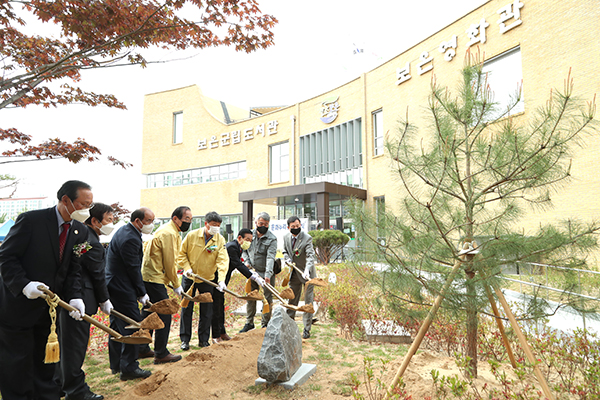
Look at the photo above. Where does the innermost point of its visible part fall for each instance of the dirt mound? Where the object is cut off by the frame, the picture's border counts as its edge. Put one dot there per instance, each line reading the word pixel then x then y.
pixel 153 321
pixel 167 306
pixel 207 373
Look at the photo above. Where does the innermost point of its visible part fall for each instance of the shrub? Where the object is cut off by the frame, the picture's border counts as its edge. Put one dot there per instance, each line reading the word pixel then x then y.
pixel 327 243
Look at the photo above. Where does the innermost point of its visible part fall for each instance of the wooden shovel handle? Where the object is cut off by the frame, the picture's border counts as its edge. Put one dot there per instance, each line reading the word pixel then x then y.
pixel 85 317
pixel 214 284
pixel 125 318
pixel 283 302
pixel 274 291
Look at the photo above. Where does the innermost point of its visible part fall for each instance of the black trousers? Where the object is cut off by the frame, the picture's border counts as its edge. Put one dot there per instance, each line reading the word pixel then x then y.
pixel 158 292
pixel 73 338
pixel 218 318
pixel 23 373
pixel 206 310
pixel 123 357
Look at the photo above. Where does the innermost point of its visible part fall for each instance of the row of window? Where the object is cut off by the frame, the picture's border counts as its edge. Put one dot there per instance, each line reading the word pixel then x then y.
pixel 214 173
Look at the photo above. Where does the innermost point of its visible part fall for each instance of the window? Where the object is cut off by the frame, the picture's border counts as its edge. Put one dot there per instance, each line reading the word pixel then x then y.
pixel 279 155
pixel 197 175
pixel 378 132
pixel 177 127
pixel 333 155
pixel 504 76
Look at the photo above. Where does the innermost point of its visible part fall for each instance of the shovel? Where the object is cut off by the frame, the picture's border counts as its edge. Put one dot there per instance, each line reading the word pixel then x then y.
pixel 150 322
pixel 187 297
pixel 314 281
pixel 116 336
pixel 227 290
pixel 307 308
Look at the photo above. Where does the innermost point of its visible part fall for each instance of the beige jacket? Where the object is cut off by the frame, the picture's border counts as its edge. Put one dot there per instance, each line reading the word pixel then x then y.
pixel 160 254
pixel 204 260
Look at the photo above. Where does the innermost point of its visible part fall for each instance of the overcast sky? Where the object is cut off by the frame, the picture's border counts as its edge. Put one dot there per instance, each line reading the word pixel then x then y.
pixel 313 53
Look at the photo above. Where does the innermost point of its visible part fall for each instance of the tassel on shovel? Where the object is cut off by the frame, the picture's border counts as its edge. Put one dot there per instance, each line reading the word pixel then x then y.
pixel 52 346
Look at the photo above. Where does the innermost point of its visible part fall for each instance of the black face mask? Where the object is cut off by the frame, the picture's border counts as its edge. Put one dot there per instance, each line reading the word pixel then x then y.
pixel 262 229
pixel 185 226
pixel 295 231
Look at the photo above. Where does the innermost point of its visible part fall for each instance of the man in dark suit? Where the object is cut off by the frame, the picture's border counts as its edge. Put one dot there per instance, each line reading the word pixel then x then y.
pixel 42 248
pixel 75 335
pixel 126 288
pixel 298 248
pixel 234 250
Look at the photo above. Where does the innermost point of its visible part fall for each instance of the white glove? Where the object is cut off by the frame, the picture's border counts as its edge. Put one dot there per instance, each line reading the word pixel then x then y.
pixel 106 307
pixel 222 287
pixel 144 299
pixel 256 278
pixel 188 273
pixel 306 274
pixel 80 306
pixel 178 291
pixel 31 291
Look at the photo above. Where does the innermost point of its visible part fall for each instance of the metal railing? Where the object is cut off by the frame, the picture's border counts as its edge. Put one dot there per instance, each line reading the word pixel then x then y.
pixel 549 288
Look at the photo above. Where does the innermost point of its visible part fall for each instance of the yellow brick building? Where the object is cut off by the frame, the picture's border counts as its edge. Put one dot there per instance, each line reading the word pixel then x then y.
pixel 305 159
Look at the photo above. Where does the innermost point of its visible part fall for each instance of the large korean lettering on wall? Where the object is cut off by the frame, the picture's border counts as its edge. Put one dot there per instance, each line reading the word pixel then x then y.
pixel 509 17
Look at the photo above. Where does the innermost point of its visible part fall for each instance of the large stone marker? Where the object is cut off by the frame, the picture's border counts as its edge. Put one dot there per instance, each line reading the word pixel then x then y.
pixel 281 352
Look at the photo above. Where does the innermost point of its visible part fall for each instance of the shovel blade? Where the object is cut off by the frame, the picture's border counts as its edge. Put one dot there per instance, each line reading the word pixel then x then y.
pixel 132 340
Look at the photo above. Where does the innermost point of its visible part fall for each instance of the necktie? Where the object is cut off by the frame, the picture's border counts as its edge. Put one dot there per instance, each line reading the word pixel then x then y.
pixel 293 243
pixel 62 239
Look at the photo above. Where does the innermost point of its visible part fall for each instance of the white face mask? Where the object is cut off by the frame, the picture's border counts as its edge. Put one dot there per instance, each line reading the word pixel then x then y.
pixel 147 229
pixel 80 215
pixel 107 229
pixel 213 230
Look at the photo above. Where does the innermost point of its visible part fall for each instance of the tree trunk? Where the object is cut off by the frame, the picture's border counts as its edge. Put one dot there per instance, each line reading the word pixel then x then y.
pixel 472 323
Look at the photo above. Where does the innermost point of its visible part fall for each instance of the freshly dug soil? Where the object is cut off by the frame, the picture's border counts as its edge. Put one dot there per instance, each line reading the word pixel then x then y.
pixel 317 282
pixel 287 293
pixel 152 321
pixel 255 294
pixel 203 298
pixel 307 308
pixel 208 373
pixel 142 333
pixel 167 306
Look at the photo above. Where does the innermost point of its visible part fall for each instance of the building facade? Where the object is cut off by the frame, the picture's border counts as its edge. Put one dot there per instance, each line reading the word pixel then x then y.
pixel 10 207
pixel 307 158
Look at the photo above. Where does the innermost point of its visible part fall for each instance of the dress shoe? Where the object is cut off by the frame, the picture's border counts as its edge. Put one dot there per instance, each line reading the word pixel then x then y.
pixel 216 340
pixel 305 335
pixel 86 396
pixel 167 359
pixel 148 354
pixel 114 371
pixel 225 336
pixel 185 346
pixel 204 344
pixel 135 374
pixel 247 327
pixel 315 320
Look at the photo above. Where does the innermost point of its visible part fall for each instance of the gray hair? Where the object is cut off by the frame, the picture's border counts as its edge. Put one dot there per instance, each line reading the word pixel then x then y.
pixel 264 216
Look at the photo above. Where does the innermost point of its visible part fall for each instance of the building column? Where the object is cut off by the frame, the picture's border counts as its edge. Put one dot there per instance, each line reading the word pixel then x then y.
pixel 323 209
pixel 247 213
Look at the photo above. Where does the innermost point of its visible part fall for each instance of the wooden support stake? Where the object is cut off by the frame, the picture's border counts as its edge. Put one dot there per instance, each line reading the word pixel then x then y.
pixel 524 344
pixel 511 356
pixel 423 330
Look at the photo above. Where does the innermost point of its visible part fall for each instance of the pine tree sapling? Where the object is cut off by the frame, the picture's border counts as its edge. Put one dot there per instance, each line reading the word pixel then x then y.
pixel 466 184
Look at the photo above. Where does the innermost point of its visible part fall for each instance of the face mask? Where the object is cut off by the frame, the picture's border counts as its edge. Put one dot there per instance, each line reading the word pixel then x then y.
pixel 184 226
pixel 107 229
pixel 295 231
pixel 245 245
pixel 213 230
pixel 80 215
pixel 262 229
pixel 147 229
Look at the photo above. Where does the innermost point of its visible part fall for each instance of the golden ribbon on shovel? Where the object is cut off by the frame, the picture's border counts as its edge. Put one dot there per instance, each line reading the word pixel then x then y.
pixel 52 348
